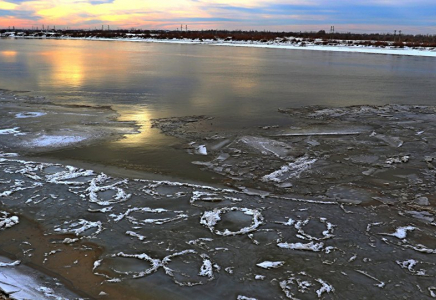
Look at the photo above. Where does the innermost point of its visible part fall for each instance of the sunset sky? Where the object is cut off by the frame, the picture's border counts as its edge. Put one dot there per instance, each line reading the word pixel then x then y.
pixel 410 16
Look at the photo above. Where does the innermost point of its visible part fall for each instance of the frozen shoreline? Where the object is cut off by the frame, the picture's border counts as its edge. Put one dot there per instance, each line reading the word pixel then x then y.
pixel 309 46
pixel 341 48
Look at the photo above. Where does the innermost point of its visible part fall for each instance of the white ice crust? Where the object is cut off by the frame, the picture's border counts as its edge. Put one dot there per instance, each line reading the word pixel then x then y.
pixel 11 131
pixel 55 140
pixel 32 114
pixel 211 218
pixel 308 46
pixel 291 170
pixel 270 264
pixel 7 221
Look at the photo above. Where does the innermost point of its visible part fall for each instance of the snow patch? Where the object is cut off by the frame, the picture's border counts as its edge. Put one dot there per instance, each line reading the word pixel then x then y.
pixel 81 227
pixel 291 170
pixel 7 221
pixel 202 150
pixel 315 247
pixel 401 232
pixel 271 264
pixel 11 131
pixel 29 115
pixel 55 140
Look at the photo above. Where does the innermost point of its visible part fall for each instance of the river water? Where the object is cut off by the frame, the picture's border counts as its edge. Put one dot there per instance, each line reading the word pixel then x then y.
pixel 238 86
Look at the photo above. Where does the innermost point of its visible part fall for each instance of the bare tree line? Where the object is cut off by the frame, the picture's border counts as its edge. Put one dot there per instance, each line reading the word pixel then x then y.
pixel 397 39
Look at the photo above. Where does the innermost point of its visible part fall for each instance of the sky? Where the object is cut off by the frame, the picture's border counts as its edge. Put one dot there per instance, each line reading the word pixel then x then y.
pixel 360 16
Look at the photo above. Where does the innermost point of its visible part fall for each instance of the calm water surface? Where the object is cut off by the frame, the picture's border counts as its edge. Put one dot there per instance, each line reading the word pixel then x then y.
pixel 240 87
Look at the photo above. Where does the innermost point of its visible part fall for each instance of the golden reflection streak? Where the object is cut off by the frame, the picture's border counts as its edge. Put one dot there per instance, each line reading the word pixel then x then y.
pixel 9 56
pixel 142 117
pixel 68 67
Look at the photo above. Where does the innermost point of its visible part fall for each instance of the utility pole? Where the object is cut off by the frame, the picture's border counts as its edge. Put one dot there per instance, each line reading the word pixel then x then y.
pixel 181 27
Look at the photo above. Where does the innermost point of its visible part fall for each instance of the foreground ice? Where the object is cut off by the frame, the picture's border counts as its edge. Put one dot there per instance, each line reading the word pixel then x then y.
pixel 202 242
pixel 52 126
pixel 55 140
pixel 23 283
pixel 322 213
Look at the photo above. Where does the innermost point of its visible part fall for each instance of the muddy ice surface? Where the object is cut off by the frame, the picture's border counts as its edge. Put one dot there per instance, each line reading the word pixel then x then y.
pixel 339 204
pixel 186 241
pixel 375 163
pixel 359 154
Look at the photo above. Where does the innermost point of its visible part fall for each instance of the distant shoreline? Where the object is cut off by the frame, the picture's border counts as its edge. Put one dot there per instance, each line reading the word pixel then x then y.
pixel 342 46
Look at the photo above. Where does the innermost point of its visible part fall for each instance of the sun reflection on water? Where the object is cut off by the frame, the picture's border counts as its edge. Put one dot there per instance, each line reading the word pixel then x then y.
pixel 8 56
pixel 142 117
pixel 68 67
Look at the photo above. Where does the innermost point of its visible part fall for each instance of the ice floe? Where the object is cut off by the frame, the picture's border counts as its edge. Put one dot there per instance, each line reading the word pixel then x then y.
pixel 401 232
pixel 291 170
pixel 270 264
pixel 7 221
pixel 96 187
pixel 315 247
pixel 81 228
pixel 267 146
pixel 211 218
pixel 158 221
pixel 202 150
pixel 134 234
pixel 410 265
pixel 12 264
pixel 32 114
pixel 180 277
pixel 301 284
pixel 66 176
pixel 11 131
pixel 300 224
pixel 240 297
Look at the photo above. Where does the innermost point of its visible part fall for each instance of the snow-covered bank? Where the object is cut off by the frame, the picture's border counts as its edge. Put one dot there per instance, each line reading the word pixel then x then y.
pixel 343 48
pixel 295 44
pixel 291 43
